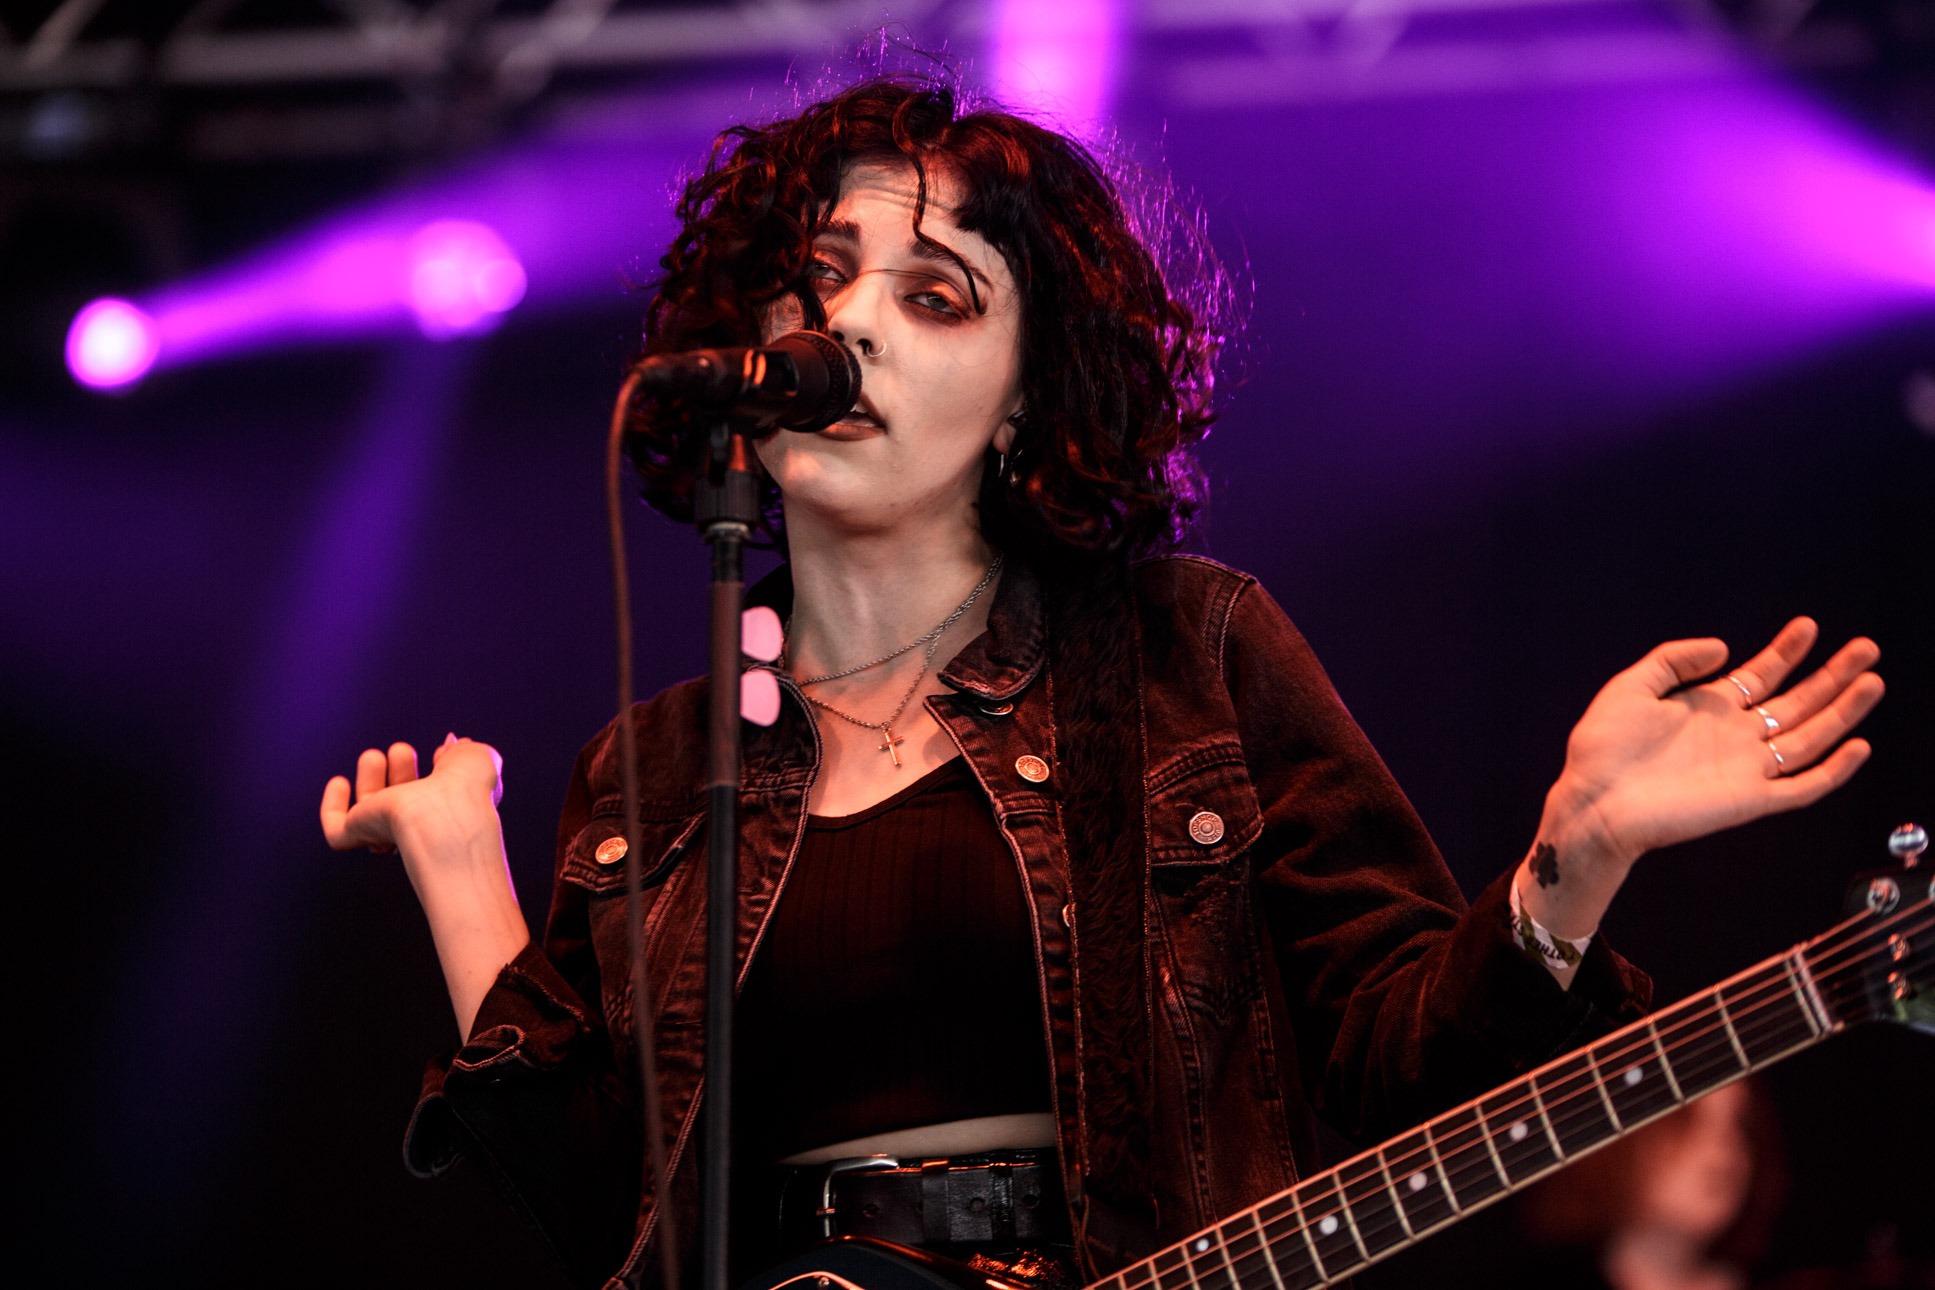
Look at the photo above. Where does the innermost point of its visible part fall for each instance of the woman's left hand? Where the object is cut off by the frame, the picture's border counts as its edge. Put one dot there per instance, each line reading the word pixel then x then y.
pixel 1658 759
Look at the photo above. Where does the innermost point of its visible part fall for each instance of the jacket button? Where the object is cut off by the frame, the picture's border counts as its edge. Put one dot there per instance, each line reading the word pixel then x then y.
pixel 1031 768
pixel 1068 915
pixel 1206 827
pixel 997 709
pixel 611 851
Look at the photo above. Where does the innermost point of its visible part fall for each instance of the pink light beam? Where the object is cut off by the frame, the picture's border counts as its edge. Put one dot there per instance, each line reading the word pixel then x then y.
pixel 452 277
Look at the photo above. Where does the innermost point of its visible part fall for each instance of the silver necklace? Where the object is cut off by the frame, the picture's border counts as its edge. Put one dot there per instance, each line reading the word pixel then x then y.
pixel 933 636
pixel 892 742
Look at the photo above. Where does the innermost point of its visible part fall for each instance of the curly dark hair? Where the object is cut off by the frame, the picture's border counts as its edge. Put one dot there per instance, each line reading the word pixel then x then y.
pixel 1118 357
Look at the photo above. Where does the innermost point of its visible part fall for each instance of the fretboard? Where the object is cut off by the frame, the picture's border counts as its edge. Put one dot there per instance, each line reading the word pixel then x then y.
pixel 1375 1204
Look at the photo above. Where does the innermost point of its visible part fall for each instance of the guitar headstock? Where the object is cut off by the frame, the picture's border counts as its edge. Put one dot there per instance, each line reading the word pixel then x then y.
pixel 1895 953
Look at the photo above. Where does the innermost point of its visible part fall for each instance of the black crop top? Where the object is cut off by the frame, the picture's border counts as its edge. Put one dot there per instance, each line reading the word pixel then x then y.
pixel 896 983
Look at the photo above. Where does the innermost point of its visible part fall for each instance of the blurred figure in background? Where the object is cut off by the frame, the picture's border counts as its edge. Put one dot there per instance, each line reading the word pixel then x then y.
pixel 1685 1203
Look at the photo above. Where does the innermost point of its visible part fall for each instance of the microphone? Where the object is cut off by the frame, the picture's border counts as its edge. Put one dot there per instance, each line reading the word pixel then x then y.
pixel 803 381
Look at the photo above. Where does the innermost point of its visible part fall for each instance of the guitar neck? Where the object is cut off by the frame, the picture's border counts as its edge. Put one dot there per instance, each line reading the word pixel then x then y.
pixel 1392 1196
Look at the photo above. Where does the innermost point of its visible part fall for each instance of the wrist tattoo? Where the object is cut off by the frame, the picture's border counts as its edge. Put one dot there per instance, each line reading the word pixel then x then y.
pixel 1545 864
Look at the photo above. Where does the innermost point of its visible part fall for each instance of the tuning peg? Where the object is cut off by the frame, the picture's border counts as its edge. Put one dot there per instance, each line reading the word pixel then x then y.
pixel 1907 843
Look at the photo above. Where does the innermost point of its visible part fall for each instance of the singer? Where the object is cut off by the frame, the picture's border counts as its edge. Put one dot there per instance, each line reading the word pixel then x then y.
pixel 1067 881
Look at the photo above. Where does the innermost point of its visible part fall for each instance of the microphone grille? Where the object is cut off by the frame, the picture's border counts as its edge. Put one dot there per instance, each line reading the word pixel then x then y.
pixel 829 380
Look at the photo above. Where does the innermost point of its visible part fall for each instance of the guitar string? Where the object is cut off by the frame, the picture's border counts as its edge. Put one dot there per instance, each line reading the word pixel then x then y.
pixel 1340 1183
pixel 1561 1123
pixel 1774 980
pixel 1776 986
pixel 1772 977
pixel 1372 1236
pixel 1470 1162
pixel 1562 1112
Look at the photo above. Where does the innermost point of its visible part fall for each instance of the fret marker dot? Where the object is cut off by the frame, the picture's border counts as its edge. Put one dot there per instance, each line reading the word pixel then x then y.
pixel 1517 1132
pixel 1416 1181
pixel 1633 1075
pixel 1202 1243
pixel 1329 1226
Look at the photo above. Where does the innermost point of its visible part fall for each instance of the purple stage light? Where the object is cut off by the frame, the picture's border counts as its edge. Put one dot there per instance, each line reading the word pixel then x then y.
pixel 111 343
pixel 1057 60
pixel 462 278
pixel 1793 200
pixel 548 225
pixel 1741 227
pixel 1696 230
pixel 453 276
pixel 358 276
pixel 1445 284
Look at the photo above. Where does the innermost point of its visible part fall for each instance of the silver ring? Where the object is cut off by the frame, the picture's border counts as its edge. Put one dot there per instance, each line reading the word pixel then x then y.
pixel 1780 762
pixel 1741 686
pixel 870 350
pixel 1773 724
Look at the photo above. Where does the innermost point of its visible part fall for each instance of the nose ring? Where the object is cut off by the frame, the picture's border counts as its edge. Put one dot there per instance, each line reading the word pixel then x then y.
pixel 870 350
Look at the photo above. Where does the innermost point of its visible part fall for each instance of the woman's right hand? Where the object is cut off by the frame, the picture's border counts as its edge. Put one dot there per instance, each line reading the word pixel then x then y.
pixel 455 804
pixel 445 826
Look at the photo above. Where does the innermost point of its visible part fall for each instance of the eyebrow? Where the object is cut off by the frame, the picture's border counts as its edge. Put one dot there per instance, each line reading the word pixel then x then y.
pixel 932 251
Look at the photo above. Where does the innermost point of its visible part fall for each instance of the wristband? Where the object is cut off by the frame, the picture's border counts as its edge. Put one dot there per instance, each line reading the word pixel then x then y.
pixel 1539 944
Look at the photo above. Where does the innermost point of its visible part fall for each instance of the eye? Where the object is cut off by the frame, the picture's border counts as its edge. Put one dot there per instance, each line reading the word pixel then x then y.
pixel 935 301
pixel 825 276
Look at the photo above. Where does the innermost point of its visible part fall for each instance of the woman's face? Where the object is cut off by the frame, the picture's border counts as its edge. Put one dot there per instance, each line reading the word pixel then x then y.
pixel 1698 1180
pixel 939 378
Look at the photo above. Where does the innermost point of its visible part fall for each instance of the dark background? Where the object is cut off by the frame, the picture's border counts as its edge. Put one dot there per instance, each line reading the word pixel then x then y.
pixel 220 586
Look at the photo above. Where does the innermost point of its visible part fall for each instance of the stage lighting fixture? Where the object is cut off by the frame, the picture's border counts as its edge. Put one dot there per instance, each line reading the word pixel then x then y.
pixel 111 344
pixel 462 278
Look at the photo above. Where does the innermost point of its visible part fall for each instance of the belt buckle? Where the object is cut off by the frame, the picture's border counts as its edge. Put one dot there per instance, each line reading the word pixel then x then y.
pixel 832 1169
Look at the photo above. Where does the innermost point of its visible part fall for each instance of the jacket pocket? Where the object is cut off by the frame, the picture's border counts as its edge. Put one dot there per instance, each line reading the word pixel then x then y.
pixel 1203 819
pixel 1203 812
pixel 596 864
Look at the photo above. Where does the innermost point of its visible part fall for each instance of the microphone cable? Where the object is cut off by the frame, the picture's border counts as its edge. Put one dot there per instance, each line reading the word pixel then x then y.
pixel 655 1167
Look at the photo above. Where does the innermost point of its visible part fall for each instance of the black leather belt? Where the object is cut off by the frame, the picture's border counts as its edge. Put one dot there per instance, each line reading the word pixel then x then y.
pixel 998 1200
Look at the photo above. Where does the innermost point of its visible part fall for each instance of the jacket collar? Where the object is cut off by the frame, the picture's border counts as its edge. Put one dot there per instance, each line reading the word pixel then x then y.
pixel 996 665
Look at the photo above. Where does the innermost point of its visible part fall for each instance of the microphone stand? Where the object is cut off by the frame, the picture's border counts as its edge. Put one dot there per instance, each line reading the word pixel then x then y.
pixel 817 379
pixel 727 508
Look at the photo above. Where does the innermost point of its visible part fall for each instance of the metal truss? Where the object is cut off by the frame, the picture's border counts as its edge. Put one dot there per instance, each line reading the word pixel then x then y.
pixel 373 40
pixel 241 79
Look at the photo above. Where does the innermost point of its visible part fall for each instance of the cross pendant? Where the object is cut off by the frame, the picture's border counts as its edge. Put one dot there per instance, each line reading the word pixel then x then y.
pixel 891 746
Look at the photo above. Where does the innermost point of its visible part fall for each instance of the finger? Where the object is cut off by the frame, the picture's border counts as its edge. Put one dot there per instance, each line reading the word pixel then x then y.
pixel 335 813
pixel 1819 687
pixel 403 763
pixel 1815 783
pixel 1676 663
pixel 1806 743
pixel 1762 674
pixel 372 773
pixel 496 762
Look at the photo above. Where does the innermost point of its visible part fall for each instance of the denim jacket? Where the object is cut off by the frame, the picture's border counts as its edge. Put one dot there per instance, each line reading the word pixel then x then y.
pixel 1308 948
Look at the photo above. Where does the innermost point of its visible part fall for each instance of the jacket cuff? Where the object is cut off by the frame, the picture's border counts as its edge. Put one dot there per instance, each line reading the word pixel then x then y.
pixel 527 1022
pixel 1519 1013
